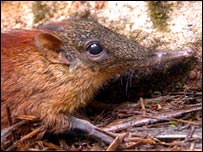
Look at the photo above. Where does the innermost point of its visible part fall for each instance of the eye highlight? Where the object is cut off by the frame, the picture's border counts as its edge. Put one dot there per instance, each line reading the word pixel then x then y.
pixel 94 48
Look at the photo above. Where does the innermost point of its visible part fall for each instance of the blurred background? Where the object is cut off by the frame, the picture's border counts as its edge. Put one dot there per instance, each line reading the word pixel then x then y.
pixel 162 24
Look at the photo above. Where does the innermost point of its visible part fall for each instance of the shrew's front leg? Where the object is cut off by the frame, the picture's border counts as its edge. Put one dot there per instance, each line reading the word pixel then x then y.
pixel 91 130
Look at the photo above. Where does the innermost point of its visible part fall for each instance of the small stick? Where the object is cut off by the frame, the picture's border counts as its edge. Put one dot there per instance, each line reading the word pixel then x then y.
pixel 143 140
pixel 116 142
pixel 107 132
pixel 8 115
pixel 143 106
pixel 30 135
pixel 156 118
pixel 33 133
pixel 5 132
pixel 10 123
pixel 24 119
pixel 28 117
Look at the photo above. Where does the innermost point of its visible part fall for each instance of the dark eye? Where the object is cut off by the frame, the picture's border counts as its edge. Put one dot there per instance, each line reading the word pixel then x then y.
pixel 94 48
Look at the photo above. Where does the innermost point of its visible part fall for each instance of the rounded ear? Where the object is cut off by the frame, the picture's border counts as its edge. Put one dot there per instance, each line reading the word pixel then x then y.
pixel 49 45
pixel 52 48
pixel 48 41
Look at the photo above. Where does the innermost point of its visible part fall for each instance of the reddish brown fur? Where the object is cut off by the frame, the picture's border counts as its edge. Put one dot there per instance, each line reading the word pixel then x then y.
pixel 17 47
pixel 50 73
pixel 32 85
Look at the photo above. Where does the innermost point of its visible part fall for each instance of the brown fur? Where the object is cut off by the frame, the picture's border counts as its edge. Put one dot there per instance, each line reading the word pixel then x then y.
pixel 31 85
pixel 49 72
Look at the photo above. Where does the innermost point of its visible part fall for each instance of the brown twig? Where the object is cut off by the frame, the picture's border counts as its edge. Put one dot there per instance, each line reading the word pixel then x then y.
pixel 143 106
pixel 5 132
pixel 165 143
pixel 147 140
pixel 116 142
pixel 10 123
pixel 156 118
pixel 28 117
pixel 26 137
pixel 186 121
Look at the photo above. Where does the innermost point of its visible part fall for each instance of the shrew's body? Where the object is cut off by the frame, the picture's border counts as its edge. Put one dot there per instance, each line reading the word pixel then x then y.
pixel 52 71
